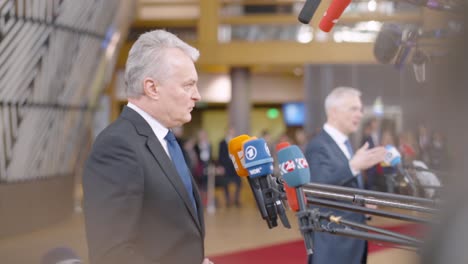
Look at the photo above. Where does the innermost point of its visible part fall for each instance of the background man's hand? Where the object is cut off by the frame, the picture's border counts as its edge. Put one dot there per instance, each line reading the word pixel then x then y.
pixel 366 158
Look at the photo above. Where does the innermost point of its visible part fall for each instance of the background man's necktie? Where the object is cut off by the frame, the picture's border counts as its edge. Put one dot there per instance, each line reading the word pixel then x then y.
pixel 180 164
pixel 351 153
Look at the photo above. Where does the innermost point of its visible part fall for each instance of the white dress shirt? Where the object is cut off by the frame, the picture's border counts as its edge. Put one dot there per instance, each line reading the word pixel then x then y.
pixel 159 130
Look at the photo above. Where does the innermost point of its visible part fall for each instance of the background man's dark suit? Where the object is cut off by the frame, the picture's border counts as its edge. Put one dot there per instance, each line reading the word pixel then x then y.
pixel 136 207
pixel 230 173
pixel 329 165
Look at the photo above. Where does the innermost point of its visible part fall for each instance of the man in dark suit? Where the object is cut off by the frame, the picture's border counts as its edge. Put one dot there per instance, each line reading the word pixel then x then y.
pixel 331 161
pixel 230 173
pixel 141 204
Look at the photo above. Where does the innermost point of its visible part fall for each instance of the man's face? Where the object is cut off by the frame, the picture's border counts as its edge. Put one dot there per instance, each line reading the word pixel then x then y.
pixel 179 91
pixel 348 114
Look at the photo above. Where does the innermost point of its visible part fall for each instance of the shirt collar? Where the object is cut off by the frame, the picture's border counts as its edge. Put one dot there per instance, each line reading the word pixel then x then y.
pixel 335 134
pixel 159 130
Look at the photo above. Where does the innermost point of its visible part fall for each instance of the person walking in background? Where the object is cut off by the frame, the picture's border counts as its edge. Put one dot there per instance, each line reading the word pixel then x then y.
pixel 300 138
pixel 230 175
pixel 332 161
pixel 203 150
pixel 438 152
pixel 141 204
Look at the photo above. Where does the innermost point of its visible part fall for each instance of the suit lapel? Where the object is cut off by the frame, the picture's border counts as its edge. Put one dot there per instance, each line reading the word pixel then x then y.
pixel 164 162
pixel 196 195
pixel 337 150
pixel 335 147
pixel 171 173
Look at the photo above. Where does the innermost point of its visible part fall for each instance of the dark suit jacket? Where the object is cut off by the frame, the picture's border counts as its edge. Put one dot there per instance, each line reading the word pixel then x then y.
pixel 329 165
pixel 136 207
pixel 226 162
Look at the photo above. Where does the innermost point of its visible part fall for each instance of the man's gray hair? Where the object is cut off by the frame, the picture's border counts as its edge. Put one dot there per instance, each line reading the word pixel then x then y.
pixel 335 97
pixel 146 59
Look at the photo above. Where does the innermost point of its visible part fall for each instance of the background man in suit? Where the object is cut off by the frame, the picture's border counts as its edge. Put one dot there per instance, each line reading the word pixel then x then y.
pixel 141 204
pixel 331 161
pixel 230 173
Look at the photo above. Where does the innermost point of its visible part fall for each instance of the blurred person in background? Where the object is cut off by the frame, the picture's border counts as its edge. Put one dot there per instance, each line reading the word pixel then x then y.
pixel 300 137
pixel 424 143
pixel 229 172
pixel 332 161
pixel 141 204
pixel 371 137
pixel 407 146
pixel 203 150
pixel 438 153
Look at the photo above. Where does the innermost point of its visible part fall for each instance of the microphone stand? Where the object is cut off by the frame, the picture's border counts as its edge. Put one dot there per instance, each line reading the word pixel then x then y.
pixel 269 195
pixel 350 199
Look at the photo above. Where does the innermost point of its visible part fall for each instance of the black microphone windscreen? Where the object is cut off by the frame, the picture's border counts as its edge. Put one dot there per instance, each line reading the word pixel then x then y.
pixel 308 11
pixel 387 43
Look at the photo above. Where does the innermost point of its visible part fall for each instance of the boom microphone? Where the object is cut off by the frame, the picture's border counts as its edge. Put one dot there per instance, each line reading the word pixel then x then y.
pixel 308 11
pixel 259 164
pixel 295 171
pixel 387 43
pixel 333 13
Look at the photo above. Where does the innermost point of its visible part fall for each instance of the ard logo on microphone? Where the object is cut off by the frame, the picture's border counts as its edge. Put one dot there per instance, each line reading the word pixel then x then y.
pixel 250 153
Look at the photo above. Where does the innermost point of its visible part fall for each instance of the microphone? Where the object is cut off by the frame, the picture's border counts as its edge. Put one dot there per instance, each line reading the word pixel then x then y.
pixel 267 192
pixel 308 11
pixel 290 191
pixel 295 171
pixel 333 13
pixel 409 36
pixel 393 158
pixel 236 153
pixel 387 43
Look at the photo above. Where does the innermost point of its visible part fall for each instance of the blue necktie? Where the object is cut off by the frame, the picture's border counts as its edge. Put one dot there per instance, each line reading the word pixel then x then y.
pixel 351 153
pixel 180 165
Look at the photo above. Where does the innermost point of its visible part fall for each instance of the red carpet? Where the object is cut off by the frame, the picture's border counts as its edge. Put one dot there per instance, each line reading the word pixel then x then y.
pixel 293 252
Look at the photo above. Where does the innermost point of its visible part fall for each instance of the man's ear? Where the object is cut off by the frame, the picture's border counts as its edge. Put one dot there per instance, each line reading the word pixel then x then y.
pixel 150 88
pixel 332 112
